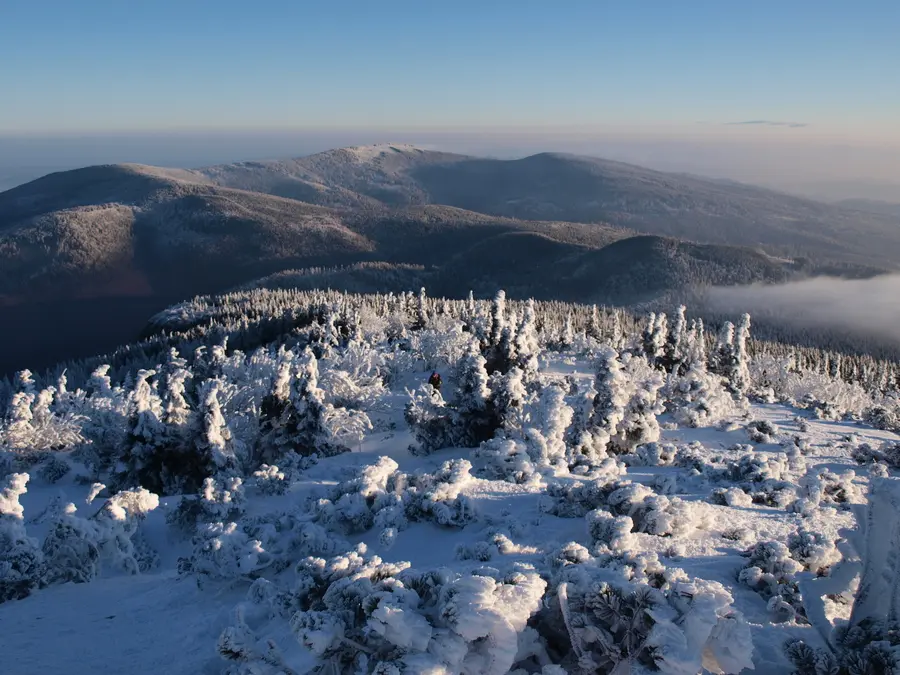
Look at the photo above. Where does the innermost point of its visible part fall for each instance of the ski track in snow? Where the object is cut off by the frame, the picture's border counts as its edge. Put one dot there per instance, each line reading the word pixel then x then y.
pixel 157 623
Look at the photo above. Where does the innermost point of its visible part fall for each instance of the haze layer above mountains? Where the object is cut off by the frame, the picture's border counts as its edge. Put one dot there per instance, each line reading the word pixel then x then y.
pixel 80 246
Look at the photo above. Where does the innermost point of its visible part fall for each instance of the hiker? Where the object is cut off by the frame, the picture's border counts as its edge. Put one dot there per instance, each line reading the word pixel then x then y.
pixel 435 381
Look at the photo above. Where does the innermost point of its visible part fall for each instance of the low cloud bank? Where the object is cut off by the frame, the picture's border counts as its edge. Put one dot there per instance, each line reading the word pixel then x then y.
pixel 865 307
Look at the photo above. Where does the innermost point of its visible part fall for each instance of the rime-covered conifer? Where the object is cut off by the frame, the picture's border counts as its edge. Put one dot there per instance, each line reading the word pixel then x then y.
pixel 20 557
pixel 673 355
pixel 509 396
pixel 594 331
pixel 476 418
pixel 527 345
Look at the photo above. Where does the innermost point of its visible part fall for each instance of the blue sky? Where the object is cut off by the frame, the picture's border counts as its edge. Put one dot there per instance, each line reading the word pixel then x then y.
pixel 92 65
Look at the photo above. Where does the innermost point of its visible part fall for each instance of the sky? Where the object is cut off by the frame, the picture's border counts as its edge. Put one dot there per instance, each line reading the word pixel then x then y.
pixel 800 95
pixel 813 68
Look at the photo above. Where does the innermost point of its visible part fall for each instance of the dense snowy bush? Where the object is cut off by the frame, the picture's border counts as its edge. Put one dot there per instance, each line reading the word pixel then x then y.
pixel 639 422
pixel 656 514
pixel 20 556
pixel 888 453
pixel 609 617
pixel 361 615
pixel 771 572
pixel 816 552
pixel 381 496
pixel 33 425
pixel 762 431
pixel 869 647
pixel 75 549
pixel 54 469
pixel 270 480
pixel 827 487
pixel 219 501
pixel 573 499
pixel 652 454
pixel 730 497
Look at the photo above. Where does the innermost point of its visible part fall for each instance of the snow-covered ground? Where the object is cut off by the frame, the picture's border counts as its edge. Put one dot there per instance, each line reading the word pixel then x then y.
pixel 617 520
pixel 160 622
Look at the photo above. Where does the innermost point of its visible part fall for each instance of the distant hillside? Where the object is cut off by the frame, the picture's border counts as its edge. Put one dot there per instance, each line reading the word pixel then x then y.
pixel 87 255
pixel 562 187
pixel 891 209
pixel 133 230
pixel 527 264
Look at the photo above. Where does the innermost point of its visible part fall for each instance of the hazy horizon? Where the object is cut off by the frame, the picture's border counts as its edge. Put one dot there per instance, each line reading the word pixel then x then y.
pixel 829 170
pixel 802 97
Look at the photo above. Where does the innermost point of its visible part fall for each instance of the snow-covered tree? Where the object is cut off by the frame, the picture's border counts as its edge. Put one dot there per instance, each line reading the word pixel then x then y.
pixel 639 422
pixel 508 397
pixel 545 432
pixel 20 557
pixel 654 337
pixel 527 345
pixel 475 417
pixel 216 440
pixel 613 393
pixel 674 349
pixel 294 415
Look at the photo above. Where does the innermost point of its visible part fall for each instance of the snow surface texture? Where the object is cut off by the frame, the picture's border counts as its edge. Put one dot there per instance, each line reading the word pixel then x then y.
pixel 619 506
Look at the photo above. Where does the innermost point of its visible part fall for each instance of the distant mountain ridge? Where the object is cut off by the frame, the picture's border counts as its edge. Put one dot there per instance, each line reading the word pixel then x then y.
pixel 564 187
pixel 121 241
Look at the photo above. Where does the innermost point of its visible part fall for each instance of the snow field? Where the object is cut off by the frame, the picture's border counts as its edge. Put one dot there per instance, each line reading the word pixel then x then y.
pixel 587 508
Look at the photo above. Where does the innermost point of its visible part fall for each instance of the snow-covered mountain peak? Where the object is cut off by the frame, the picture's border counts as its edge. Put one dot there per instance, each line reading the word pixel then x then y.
pixel 367 153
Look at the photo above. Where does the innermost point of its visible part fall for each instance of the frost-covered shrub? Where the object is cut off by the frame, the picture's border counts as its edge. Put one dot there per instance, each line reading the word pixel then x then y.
pixel 224 551
pixel 431 421
pixel 71 550
pixel 270 480
pixel 361 615
pixel 480 550
pixel 574 499
pixel 247 654
pixel 608 530
pixel 20 557
pixel 438 497
pixel 34 425
pixel 549 418
pixel 54 469
pixel 699 398
pixel 761 475
pixel 652 454
pixel 771 572
pixel 509 397
pixel 344 390
pixel 375 492
pixel 656 514
pixel 762 431
pixel 639 422
pixel 295 417
pixel 506 459
pixel 754 467
pixel 868 647
pixel 730 497
pixel 882 417
pixel 827 487
pixel 381 496
pixel 220 501
pixel 600 622
pixel 76 548
pixel 813 550
pixel 119 521
pixel 888 453
pixel 591 443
